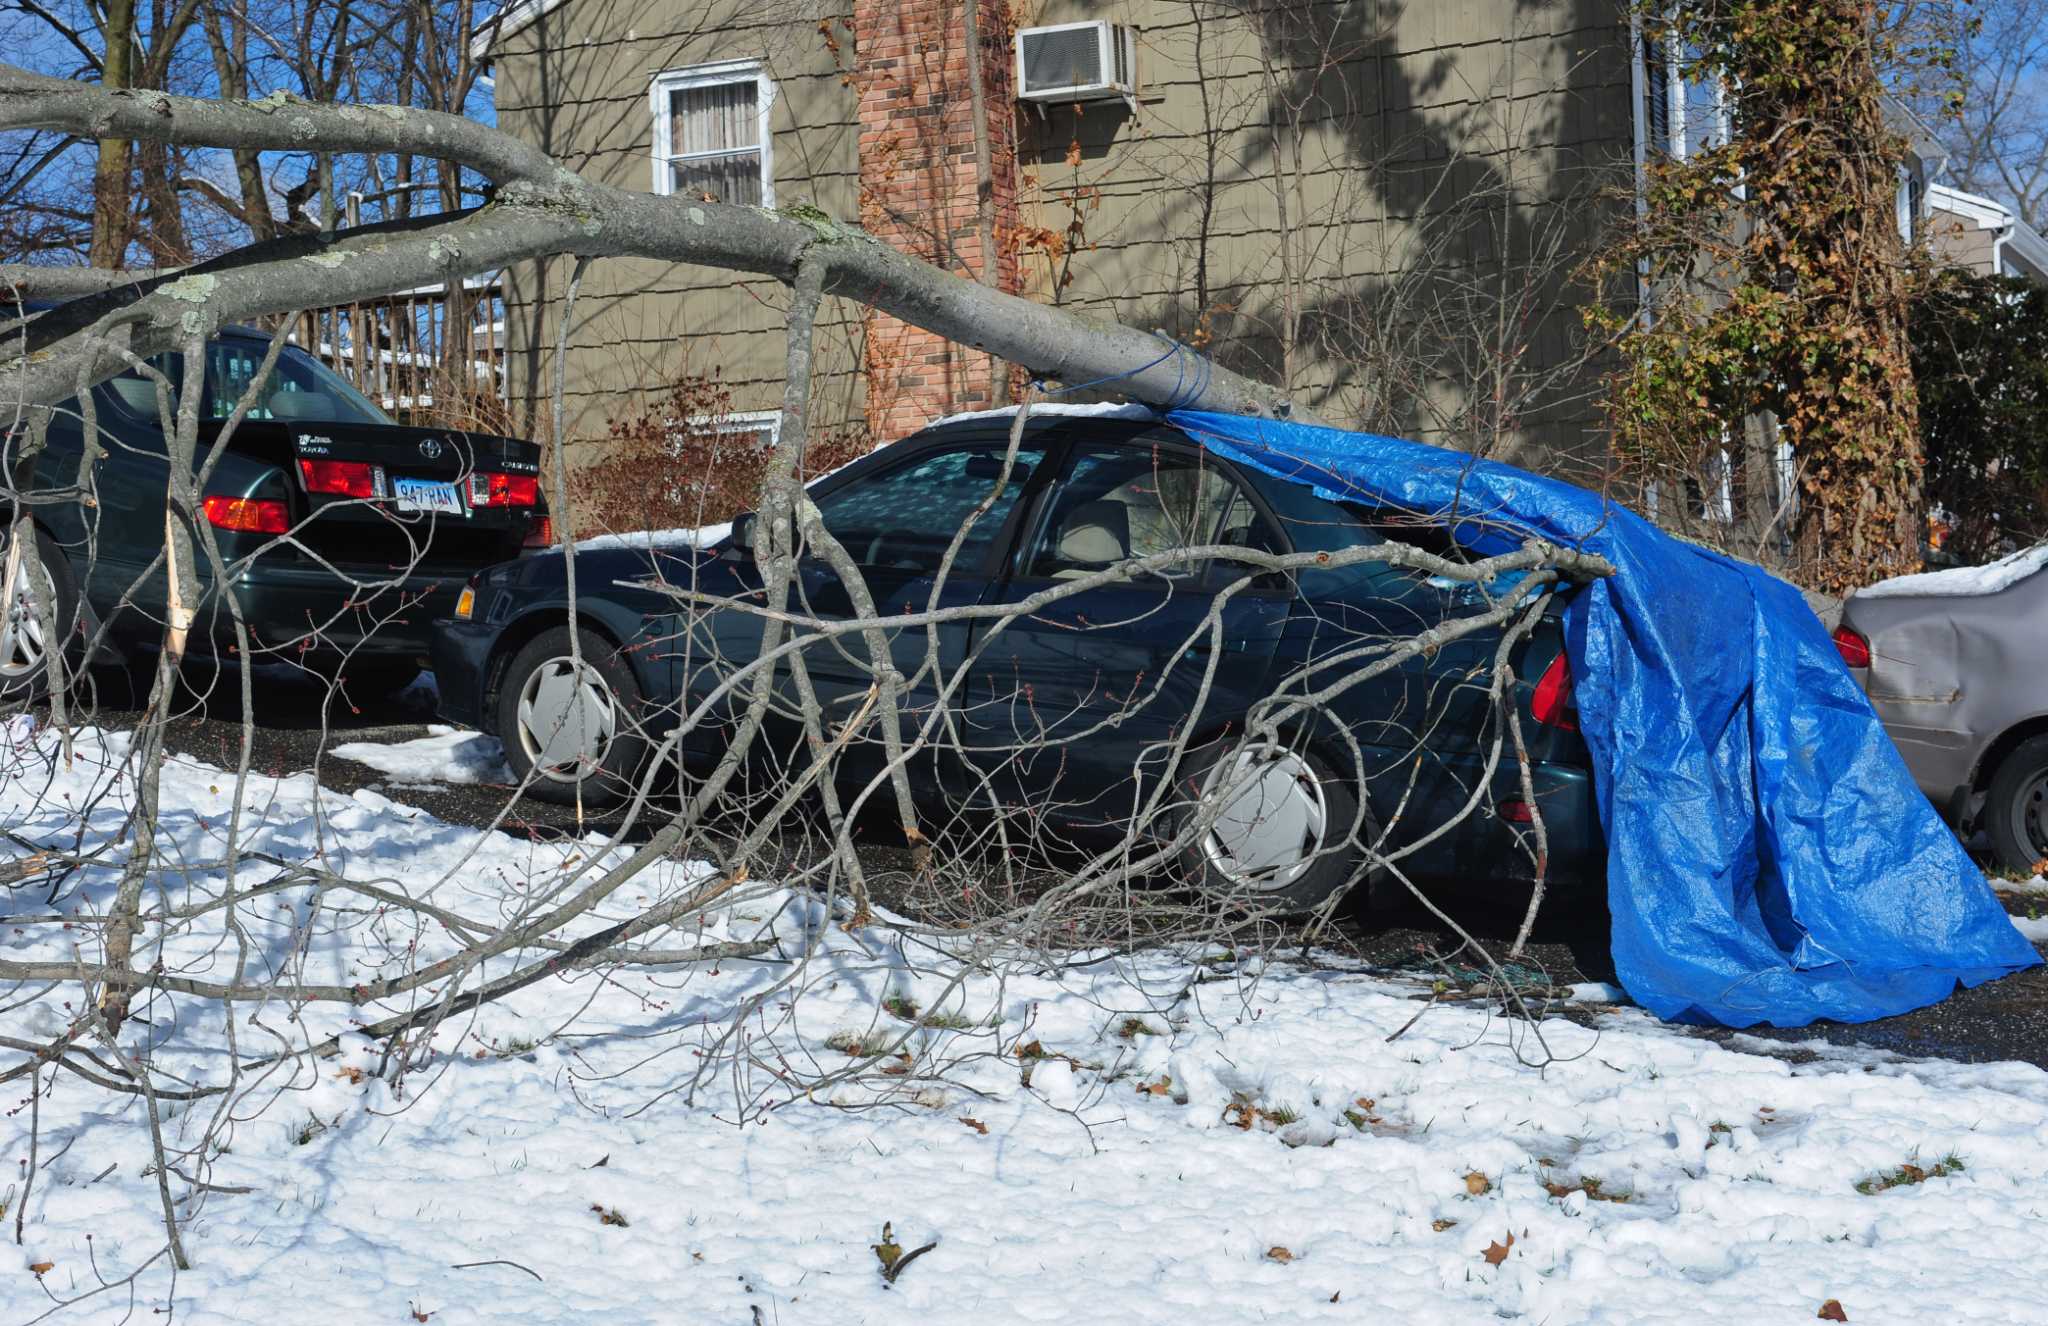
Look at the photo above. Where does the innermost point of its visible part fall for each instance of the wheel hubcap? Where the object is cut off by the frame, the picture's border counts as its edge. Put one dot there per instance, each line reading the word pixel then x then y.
pixel 21 627
pixel 567 720
pixel 1269 817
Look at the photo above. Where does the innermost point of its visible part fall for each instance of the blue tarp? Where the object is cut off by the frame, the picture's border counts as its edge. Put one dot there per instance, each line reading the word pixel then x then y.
pixel 1769 856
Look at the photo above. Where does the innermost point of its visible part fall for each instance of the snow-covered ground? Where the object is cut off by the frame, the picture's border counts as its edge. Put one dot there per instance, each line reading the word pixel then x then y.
pixel 445 755
pixel 1120 1142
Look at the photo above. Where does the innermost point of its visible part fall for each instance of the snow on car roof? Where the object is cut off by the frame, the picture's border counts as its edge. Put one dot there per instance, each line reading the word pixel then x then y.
pixel 1962 580
pixel 1103 410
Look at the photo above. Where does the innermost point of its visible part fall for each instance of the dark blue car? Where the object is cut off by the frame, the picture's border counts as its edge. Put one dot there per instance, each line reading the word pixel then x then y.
pixel 1067 715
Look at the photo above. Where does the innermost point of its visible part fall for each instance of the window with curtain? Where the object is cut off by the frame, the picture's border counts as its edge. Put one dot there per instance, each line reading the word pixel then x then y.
pixel 711 134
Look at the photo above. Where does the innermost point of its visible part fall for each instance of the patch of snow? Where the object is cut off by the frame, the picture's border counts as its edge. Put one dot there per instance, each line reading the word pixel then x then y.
pixel 1961 580
pixel 699 536
pixel 2033 886
pixel 1598 992
pixel 2034 928
pixel 445 755
pixel 1104 410
pixel 1140 1178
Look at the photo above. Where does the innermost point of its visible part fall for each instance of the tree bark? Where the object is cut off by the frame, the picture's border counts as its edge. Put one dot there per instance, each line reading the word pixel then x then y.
pixel 110 175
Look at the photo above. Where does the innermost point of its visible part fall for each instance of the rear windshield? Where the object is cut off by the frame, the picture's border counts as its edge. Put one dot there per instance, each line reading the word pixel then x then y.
pixel 298 389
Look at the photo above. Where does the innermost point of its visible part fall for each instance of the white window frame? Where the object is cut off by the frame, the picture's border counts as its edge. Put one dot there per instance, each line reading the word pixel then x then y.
pixel 746 421
pixel 661 91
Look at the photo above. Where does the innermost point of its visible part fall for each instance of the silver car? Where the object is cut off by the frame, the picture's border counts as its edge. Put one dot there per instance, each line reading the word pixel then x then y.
pixel 1956 664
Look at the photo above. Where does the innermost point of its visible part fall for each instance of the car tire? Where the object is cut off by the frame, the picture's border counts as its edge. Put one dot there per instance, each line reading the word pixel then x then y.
pixel 1281 839
pixel 2016 806
pixel 24 654
pixel 571 742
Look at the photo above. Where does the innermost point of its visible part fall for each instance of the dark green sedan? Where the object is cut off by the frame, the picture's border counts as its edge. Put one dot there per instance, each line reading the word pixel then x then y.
pixel 343 533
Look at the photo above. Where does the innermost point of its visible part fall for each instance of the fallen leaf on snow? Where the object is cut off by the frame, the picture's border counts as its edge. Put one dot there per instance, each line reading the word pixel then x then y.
pixel 888 1251
pixel 1496 1253
pixel 1276 1253
pixel 1832 1311
pixel 1478 1184
pixel 976 1124
pixel 40 1267
pixel 1441 1225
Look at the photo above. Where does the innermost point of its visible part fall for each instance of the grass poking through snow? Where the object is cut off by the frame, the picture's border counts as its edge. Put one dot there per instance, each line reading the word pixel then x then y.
pixel 1909 1174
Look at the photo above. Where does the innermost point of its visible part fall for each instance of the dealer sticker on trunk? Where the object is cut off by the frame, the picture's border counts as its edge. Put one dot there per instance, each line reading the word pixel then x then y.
pixel 427 495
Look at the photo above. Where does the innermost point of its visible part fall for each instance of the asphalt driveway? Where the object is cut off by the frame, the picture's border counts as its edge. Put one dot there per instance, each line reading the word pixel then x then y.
pixel 2004 1020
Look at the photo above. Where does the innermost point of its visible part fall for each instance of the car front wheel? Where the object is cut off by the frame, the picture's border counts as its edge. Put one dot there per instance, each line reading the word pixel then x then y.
pixel 1272 826
pixel 24 647
pixel 574 731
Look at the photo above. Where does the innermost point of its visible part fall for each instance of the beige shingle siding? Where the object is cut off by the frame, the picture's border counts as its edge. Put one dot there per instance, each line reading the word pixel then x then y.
pixel 1438 106
pixel 576 84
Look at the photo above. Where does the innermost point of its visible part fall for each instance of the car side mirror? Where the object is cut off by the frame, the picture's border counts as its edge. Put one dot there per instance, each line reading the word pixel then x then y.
pixel 742 538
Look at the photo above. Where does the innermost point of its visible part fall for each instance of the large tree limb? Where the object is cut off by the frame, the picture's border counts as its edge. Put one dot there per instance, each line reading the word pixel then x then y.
pixel 540 208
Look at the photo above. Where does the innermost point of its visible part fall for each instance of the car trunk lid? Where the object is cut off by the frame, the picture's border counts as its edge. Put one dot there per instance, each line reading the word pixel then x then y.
pixel 386 498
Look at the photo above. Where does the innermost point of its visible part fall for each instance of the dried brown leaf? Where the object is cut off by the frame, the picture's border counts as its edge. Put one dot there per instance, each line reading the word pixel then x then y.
pixel 1496 1253
pixel 1478 1184
pixel 1832 1311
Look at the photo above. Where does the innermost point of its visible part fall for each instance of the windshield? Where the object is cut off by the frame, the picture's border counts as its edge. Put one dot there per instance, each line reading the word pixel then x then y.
pixel 299 388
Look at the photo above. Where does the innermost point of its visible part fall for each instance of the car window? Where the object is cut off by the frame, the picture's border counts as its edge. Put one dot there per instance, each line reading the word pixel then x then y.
pixel 904 519
pixel 299 389
pixel 1116 503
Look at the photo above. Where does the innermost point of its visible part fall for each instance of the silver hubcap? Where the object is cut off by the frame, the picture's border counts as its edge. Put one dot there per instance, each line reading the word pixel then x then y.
pixel 1269 817
pixel 567 720
pixel 21 627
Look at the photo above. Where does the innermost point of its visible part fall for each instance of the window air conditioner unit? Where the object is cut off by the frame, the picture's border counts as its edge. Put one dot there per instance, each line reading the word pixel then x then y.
pixel 1076 62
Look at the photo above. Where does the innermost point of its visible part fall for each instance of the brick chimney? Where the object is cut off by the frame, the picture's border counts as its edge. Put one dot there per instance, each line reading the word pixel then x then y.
pixel 917 189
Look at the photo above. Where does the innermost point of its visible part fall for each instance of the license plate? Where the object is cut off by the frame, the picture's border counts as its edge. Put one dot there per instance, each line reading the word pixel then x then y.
pixel 427 495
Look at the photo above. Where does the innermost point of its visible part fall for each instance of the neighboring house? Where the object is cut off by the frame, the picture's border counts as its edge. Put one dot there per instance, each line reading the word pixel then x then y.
pixel 1988 238
pixel 1382 208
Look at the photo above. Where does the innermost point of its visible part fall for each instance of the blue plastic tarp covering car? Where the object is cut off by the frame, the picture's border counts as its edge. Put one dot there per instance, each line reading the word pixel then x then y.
pixel 1770 860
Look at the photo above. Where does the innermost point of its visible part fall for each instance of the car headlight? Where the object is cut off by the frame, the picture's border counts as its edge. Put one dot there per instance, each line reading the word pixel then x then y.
pixel 465 603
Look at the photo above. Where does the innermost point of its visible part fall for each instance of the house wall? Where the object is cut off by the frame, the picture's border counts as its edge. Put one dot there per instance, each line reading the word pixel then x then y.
pixel 1414 220
pixel 1433 182
pixel 575 83
pixel 1958 241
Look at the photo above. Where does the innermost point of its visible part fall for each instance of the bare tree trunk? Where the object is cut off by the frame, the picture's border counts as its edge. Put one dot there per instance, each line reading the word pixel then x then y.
pixel 110 176
pixel 984 177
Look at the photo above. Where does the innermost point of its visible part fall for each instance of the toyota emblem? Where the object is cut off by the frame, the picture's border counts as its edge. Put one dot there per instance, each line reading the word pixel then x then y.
pixel 431 448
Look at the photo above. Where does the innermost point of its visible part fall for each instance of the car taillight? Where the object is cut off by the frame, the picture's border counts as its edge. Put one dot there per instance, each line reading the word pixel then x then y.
pixel 1552 702
pixel 249 515
pixel 1855 650
pixel 488 488
pixel 347 478
pixel 541 534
